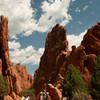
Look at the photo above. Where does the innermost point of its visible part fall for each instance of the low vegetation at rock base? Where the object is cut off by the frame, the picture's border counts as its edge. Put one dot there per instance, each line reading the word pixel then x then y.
pixel 4 87
pixel 28 92
pixel 73 82
pixel 95 81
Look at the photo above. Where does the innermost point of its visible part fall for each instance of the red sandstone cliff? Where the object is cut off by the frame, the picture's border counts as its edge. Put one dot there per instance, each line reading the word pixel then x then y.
pixel 57 57
pixel 91 40
pixel 17 75
pixel 4 49
pixel 56 48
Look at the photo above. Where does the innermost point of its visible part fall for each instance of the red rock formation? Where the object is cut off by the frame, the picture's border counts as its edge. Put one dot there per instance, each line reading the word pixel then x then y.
pixel 77 57
pixel 19 79
pixel 90 62
pixel 4 50
pixel 56 48
pixel 56 57
pixel 91 40
pixel 54 92
pixel 17 75
pixel 8 98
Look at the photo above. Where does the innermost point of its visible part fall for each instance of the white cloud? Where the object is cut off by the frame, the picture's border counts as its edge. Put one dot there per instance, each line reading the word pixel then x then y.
pixel 19 13
pixel 80 22
pixel 85 7
pixel 22 16
pixel 54 11
pixel 75 39
pixel 77 9
pixel 73 0
pixel 28 55
pixel 14 45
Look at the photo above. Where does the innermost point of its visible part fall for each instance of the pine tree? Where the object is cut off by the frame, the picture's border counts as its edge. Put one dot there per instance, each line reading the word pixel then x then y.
pixel 4 87
pixel 73 81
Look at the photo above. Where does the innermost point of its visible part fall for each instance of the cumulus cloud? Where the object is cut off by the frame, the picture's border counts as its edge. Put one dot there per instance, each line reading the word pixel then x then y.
pixel 73 0
pixel 53 12
pixel 28 55
pixel 85 7
pixel 22 16
pixel 77 9
pixel 75 39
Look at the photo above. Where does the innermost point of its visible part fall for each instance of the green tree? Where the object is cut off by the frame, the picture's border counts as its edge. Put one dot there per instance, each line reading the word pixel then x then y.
pixel 73 81
pixel 4 87
pixel 95 81
pixel 28 92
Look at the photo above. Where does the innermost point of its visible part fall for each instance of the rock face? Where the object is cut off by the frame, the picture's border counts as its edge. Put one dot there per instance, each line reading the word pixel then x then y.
pixel 54 92
pixel 4 49
pixel 19 79
pixel 57 57
pixel 56 48
pixel 91 40
pixel 17 75
pixel 85 63
pixel 77 57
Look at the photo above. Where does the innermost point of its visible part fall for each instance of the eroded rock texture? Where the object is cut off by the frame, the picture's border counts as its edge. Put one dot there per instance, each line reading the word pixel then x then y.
pixel 19 79
pixel 17 75
pixel 56 49
pixel 56 58
pixel 91 40
pixel 4 49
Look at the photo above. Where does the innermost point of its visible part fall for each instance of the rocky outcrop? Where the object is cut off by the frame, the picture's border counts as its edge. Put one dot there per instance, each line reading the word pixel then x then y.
pixel 4 49
pixel 56 57
pixel 91 40
pixel 54 92
pixel 19 79
pixel 17 75
pixel 77 57
pixel 8 98
pixel 56 49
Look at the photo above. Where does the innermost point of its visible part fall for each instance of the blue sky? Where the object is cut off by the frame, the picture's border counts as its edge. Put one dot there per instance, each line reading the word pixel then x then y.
pixel 31 20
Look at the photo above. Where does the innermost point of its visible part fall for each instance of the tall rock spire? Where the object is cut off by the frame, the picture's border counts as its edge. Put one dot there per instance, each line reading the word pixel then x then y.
pixel 56 48
pixel 4 49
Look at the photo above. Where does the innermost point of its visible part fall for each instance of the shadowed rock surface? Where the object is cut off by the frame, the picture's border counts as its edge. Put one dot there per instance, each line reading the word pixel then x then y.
pixel 91 40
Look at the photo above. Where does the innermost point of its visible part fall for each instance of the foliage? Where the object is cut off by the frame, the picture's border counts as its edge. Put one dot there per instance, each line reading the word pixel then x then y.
pixel 4 86
pixel 77 95
pixel 73 81
pixel 28 92
pixel 95 81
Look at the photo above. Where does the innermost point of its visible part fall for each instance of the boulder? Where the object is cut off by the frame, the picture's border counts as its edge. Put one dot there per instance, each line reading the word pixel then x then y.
pixel 54 92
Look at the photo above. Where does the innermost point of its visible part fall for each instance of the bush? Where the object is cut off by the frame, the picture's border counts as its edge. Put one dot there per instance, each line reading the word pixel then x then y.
pixel 95 81
pixel 73 81
pixel 4 86
pixel 28 92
